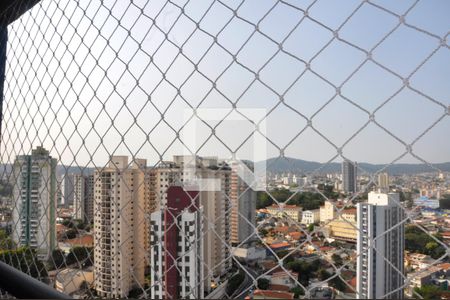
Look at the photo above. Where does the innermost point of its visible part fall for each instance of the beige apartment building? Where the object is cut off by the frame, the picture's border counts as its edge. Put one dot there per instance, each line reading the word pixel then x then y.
pixel 120 228
pixel 281 210
pixel 344 227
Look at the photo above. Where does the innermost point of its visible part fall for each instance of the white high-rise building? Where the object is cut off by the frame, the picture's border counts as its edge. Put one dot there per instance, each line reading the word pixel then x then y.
pixel 176 250
pixel 34 195
pixel 380 246
pixel 120 227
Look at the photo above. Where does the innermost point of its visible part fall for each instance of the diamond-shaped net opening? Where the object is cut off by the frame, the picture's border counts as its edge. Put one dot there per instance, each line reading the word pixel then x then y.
pixel 226 149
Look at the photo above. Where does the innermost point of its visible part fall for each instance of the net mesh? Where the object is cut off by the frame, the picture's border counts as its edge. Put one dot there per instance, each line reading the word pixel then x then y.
pixel 101 98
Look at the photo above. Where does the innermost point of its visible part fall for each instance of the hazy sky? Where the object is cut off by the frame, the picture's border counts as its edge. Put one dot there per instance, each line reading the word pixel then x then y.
pixel 73 65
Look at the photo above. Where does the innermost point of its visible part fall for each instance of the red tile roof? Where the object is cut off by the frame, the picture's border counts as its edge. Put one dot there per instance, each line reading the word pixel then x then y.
pixel 296 235
pixel 279 245
pixel 86 241
pixel 272 294
pixel 279 287
pixel 281 229
pixel 444 266
pixel 350 211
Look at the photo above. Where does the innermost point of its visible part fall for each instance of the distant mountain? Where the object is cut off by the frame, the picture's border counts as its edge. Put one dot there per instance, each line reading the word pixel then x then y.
pixel 293 165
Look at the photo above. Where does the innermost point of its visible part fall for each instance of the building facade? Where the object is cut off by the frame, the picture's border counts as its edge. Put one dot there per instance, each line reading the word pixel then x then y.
pixel 215 203
pixel 243 208
pixel 281 210
pixel 177 247
pixel 327 211
pixel 383 182
pixel 34 194
pixel 344 227
pixel 67 189
pixel 119 218
pixel 310 216
pixel 380 245
pixel 79 194
pixel 89 198
pixel 349 176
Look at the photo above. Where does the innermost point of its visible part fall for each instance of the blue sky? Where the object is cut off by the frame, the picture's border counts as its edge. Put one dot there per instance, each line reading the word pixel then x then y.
pixel 107 63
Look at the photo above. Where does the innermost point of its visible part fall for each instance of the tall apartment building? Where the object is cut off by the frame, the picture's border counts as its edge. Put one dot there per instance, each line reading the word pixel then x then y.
pixel 79 194
pixel 383 182
pixel 380 245
pixel 158 181
pixel 216 205
pixel 67 189
pixel 119 226
pixel 216 211
pixel 349 176
pixel 243 208
pixel 177 247
pixel 34 213
pixel 83 197
pixel 326 211
pixel 89 185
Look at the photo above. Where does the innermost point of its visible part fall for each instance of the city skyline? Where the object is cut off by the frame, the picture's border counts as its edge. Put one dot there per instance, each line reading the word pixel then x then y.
pixel 155 113
pixel 225 149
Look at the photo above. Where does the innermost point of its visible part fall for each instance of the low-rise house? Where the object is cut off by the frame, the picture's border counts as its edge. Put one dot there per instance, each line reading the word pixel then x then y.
pixel 69 280
pixel 265 294
pixel 310 216
pixel 281 277
pixel 282 210
pixel 249 254
pixel 418 261
pixel 278 247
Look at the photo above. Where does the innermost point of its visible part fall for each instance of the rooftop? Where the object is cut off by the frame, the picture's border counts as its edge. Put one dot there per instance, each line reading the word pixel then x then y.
pixel 280 245
pixel 85 240
pixel 271 294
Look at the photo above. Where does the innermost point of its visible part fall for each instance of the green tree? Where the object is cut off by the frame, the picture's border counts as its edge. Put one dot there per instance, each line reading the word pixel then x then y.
pixel 80 255
pixel 263 284
pixel 311 227
pixel 24 259
pixel 338 284
pixel 298 291
pixel 304 269
pixel 323 274
pixel 6 242
pixel 71 233
pixel 68 223
pixel 337 259
pixel 263 232
pixel 421 242
pixel 57 259
pixel 263 200
pixel 234 283
pixel 429 292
